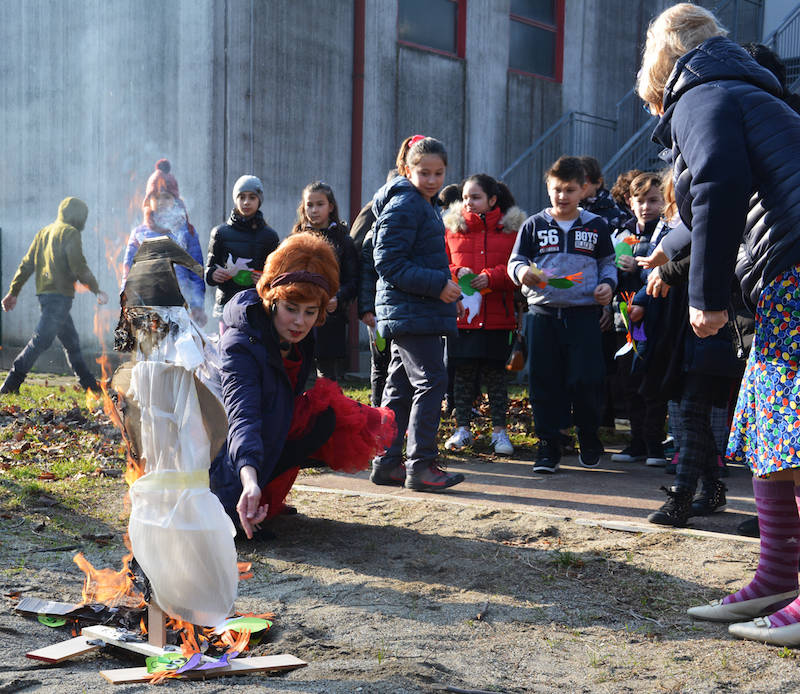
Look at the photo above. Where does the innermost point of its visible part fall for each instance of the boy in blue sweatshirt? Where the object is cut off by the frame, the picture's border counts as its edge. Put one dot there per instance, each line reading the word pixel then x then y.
pixel 565 357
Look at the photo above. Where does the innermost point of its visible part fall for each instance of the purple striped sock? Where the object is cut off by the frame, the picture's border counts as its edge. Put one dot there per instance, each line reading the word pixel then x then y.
pixel 779 525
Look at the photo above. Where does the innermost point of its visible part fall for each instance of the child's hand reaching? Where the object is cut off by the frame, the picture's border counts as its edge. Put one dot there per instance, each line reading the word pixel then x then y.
pixel 656 258
pixel 602 294
pixel 655 285
pixel 450 293
pixel 635 313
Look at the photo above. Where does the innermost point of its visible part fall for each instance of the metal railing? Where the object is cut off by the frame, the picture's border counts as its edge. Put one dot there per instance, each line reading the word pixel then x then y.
pixel 624 142
pixel 574 133
pixel 785 41
pixel 639 152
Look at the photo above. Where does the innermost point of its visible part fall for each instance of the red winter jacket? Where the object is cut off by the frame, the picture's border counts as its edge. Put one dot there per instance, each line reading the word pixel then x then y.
pixel 484 243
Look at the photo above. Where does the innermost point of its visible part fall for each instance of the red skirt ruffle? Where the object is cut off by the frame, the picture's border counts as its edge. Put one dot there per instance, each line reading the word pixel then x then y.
pixel 361 432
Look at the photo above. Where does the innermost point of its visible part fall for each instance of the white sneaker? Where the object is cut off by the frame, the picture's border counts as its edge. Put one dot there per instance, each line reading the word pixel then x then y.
pixel 460 438
pixel 501 444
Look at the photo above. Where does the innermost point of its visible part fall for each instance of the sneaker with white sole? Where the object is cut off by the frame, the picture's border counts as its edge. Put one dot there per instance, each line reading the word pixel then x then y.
pixel 501 444
pixel 461 438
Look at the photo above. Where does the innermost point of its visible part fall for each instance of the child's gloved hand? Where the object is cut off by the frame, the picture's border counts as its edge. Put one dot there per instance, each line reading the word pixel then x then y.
pixel 602 293
pixel 635 313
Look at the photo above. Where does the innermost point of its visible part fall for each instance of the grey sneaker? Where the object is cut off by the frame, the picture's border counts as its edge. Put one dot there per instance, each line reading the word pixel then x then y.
pixel 501 443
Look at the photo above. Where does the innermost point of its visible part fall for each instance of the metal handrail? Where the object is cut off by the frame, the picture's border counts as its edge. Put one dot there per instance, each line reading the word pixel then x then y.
pixel 771 40
pixel 537 143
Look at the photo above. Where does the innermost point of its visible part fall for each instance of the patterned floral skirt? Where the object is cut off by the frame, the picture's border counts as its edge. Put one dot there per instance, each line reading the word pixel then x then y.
pixel 765 432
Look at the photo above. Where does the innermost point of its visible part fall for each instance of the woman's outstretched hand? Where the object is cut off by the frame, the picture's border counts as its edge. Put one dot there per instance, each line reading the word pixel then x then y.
pixel 707 323
pixel 251 513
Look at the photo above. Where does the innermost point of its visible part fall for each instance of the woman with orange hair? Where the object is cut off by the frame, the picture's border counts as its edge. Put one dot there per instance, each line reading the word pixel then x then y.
pixel 267 353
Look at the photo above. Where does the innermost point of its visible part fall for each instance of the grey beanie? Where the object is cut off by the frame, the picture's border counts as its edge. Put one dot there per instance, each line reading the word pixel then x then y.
pixel 248 184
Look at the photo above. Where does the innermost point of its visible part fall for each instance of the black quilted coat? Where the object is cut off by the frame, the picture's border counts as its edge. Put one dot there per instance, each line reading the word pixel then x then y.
pixel 736 153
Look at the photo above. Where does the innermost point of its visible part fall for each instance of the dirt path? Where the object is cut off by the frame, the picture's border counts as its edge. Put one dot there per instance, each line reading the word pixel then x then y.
pixel 382 595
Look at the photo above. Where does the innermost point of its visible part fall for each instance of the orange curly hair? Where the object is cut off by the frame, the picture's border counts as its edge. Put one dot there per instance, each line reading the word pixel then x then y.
pixel 301 251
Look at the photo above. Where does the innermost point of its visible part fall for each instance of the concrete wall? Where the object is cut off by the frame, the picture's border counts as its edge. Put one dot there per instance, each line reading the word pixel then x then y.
pixel 95 91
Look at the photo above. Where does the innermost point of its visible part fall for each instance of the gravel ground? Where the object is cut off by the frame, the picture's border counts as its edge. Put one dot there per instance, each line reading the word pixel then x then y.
pixel 383 595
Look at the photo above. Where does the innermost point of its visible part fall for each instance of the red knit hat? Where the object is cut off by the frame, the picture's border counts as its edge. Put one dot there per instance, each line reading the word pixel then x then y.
pixel 162 179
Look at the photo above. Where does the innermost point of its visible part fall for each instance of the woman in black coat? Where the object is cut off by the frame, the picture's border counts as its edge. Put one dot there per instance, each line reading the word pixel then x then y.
pixel 735 149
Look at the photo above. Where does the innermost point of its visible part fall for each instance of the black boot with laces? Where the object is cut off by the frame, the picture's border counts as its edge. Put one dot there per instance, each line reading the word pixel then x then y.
pixel 711 499
pixel 676 510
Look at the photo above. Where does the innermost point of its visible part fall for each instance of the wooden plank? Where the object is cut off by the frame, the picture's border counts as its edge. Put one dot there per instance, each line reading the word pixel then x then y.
pixel 114 637
pixel 63 650
pixel 156 626
pixel 239 666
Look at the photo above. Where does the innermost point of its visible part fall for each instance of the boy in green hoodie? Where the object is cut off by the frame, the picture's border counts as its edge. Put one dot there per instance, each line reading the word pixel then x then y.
pixel 56 255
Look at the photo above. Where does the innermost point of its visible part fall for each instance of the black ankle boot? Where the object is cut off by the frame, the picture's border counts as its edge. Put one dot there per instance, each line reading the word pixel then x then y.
pixel 711 499
pixel 676 510
pixel 12 383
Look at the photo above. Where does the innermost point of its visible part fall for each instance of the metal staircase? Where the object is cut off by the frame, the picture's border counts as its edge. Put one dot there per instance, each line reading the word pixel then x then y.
pixel 623 142
pixel 639 153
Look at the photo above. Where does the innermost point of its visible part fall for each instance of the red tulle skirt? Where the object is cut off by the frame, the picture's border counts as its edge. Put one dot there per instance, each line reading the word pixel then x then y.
pixel 361 433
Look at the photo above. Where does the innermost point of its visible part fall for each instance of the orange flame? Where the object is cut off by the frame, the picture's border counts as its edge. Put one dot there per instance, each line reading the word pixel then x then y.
pixel 107 586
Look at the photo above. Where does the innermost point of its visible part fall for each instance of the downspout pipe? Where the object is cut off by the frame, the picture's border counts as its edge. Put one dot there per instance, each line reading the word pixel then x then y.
pixel 356 153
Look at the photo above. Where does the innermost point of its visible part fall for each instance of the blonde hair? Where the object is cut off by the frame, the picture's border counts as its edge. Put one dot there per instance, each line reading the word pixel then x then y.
pixel 675 32
pixel 668 188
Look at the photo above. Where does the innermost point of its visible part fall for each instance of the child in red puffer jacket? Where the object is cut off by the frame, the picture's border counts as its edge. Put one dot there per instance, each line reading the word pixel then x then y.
pixel 480 235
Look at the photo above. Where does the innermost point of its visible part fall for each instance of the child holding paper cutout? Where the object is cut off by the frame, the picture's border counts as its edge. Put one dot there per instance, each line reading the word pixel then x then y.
pixel 481 230
pixel 238 249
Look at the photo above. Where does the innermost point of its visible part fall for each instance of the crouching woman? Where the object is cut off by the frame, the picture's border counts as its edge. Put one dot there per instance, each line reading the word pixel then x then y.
pixel 266 354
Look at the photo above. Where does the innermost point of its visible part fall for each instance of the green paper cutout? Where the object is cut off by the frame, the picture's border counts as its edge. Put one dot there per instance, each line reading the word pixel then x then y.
pixel 380 342
pixel 560 283
pixel 243 278
pixel 623 310
pixel 251 624
pixel 52 621
pixel 464 283
pixel 620 250
pixel 167 661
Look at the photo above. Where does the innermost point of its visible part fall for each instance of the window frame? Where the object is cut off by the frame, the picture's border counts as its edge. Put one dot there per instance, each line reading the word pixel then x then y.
pixel 461 33
pixel 558 30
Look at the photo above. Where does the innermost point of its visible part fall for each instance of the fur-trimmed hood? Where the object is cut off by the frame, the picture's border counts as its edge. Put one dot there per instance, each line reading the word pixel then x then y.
pixel 510 222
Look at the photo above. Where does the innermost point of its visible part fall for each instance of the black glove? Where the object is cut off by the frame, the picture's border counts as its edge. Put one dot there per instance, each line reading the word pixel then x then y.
pixel 296 452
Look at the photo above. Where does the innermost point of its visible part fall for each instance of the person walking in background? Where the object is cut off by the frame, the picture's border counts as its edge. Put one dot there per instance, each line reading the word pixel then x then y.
pixel 565 358
pixel 481 230
pixel 319 214
pixel 416 303
pixel 56 256
pixel 245 239
pixel 165 214
pixel 736 185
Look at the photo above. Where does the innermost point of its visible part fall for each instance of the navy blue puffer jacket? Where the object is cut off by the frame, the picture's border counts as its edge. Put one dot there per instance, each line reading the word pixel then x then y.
pixel 736 156
pixel 411 262
pixel 257 393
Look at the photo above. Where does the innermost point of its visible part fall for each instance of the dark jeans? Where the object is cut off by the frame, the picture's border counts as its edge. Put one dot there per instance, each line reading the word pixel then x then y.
pixel 565 365
pixel 414 391
pixel 378 370
pixel 55 322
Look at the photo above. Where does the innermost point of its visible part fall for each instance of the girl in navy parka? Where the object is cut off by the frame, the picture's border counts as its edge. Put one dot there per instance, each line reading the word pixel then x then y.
pixel 415 305
pixel 735 146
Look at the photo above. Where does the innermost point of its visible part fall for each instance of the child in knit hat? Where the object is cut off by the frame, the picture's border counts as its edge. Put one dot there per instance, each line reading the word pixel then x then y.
pixel 165 214
pixel 56 256
pixel 238 249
